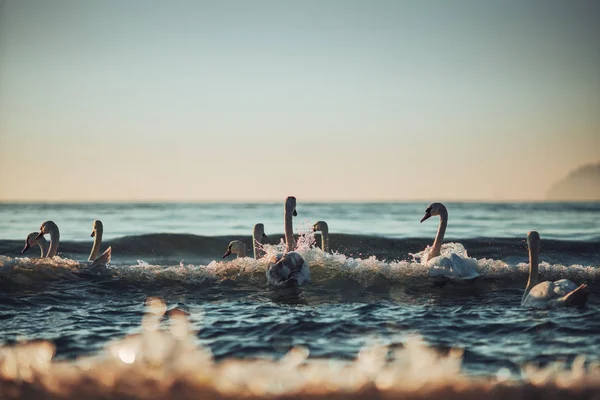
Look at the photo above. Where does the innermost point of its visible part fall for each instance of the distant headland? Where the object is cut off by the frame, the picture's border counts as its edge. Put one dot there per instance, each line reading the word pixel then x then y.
pixel 580 185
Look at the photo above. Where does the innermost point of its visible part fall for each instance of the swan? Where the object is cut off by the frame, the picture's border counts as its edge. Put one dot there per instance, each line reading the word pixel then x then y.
pixel 453 265
pixel 97 231
pixel 321 226
pixel 258 234
pixel 31 241
pixel 562 293
pixel 289 268
pixel 49 227
pixel 238 247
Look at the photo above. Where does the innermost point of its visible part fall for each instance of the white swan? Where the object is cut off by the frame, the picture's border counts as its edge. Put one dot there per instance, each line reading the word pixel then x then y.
pixel 321 226
pixel 31 241
pixel 238 247
pixel 258 234
pixel 289 268
pixel 453 266
pixel 49 227
pixel 97 231
pixel 562 293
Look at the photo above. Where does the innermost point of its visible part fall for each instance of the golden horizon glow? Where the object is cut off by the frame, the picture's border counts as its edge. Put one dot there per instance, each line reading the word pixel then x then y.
pixel 337 101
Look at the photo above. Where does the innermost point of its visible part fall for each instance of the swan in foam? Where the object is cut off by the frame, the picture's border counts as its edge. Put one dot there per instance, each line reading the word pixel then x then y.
pixel 49 227
pixel 31 241
pixel 562 293
pixel 321 226
pixel 238 247
pixel 451 266
pixel 289 268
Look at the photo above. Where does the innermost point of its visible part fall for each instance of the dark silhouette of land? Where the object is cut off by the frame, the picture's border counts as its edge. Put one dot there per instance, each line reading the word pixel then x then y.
pixel 582 184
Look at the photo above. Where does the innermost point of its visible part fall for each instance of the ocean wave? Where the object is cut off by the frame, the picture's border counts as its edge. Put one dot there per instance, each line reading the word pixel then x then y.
pixel 165 361
pixel 327 269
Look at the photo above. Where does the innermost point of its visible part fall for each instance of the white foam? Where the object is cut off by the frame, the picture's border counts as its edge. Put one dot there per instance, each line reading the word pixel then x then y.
pixel 325 268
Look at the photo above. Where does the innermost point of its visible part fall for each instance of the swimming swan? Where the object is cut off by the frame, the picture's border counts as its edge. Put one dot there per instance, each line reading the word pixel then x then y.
pixel 97 231
pixel 238 247
pixel 453 266
pixel 31 241
pixel 289 268
pixel 562 293
pixel 321 226
pixel 49 227
pixel 258 234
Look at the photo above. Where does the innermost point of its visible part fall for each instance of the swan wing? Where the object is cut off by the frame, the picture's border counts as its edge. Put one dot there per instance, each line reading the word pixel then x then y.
pixel 103 258
pixel 562 293
pixel 563 287
pixel 453 267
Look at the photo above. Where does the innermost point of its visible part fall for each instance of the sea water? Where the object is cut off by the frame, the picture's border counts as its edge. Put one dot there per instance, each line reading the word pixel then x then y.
pixel 373 318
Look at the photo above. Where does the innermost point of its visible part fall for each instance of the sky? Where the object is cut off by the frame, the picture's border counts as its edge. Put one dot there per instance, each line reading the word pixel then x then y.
pixel 325 100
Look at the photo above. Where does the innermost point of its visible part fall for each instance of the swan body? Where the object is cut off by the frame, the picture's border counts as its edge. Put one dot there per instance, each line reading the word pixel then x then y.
pixel 561 293
pixel 31 241
pixel 321 226
pixel 49 227
pixel 451 266
pixel 289 268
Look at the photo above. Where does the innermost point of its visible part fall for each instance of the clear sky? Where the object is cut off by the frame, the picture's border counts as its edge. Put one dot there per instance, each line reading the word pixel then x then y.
pixel 324 100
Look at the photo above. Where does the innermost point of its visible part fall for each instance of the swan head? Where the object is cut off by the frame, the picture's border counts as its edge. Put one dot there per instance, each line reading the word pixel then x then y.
pixel 96 226
pixel 46 228
pixel 290 205
pixel 435 209
pixel 235 247
pixel 320 226
pixel 259 231
pixel 30 242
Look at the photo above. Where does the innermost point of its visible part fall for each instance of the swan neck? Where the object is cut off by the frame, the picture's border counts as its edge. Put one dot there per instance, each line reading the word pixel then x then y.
pixel 54 239
pixel 534 276
pixel 97 243
pixel 290 242
pixel 256 242
pixel 325 240
pixel 43 243
pixel 439 238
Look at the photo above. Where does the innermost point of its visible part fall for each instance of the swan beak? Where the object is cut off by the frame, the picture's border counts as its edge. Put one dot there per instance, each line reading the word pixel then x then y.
pixel 228 252
pixel 427 215
pixel 39 235
pixel 93 234
pixel 27 246
pixel 264 236
pixel 295 214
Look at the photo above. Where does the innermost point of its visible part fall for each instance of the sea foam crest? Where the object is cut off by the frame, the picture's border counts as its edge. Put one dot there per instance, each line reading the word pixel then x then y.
pixel 326 269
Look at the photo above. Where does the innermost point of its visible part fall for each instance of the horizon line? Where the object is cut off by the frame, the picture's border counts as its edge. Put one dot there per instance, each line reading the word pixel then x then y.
pixel 270 201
